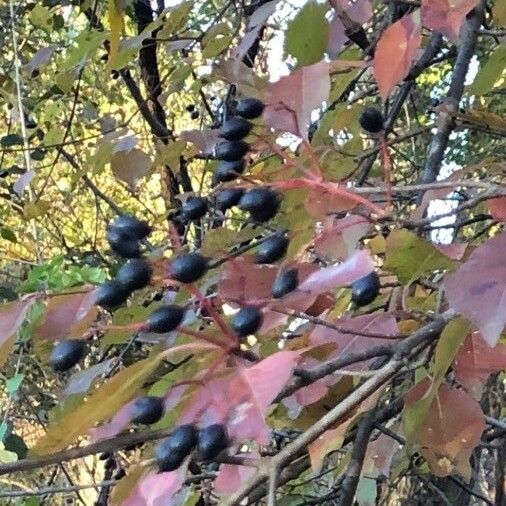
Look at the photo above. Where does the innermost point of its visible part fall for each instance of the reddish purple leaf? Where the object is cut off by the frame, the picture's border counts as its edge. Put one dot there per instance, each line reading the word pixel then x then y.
pixel 359 11
pixel 401 39
pixel 242 398
pixel 67 316
pixel 291 100
pixel 477 289
pixel 231 477
pixel 450 431
pixel 12 316
pixel 355 267
pixel 157 489
pixel 379 455
pixel 321 203
pixel 339 238
pixel 455 250
pixel 497 208
pixel 446 16
pixel 476 361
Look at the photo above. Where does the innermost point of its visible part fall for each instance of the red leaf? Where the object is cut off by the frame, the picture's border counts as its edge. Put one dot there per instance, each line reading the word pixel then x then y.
pixel 339 238
pixel 241 399
pixel 450 431
pixel 67 316
pixel 12 316
pixel 157 489
pixel 291 100
pixel 355 267
pixel 478 289
pixel 395 52
pixel 446 16
pixel 243 280
pixel 497 208
pixel 231 477
pixel 379 455
pixel 359 11
pixel 476 361
pixel 455 250
pixel 321 203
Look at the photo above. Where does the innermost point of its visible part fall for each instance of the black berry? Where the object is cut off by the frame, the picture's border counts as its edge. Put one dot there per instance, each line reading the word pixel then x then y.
pixel 235 129
pixel 272 249
pixel 188 267
pixel 135 227
pixel 66 354
pixel 262 203
pixel 227 171
pixel 147 410
pixel 365 289
pixel 212 441
pixel 171 452
pixel 230 151
pixel 123 243
pixel 165 319
pixel 194 208
pixel 195 115
pixel 249 108
pixel 247 321
pixel 190 107
pixel 371 120
pixel 135 274
pixel 228 198
pixel 111 294
pixel 285 282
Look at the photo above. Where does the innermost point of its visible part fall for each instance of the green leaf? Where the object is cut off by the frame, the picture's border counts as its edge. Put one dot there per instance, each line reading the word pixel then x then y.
pixel 7 456
pixel 101 405
pixel 216 46
pixel 116 25
pixel 41 17
pixel 176 20
pixel 87 42
pixel 490 73
pixel 410 257
pixel 307 34
pixel 12 384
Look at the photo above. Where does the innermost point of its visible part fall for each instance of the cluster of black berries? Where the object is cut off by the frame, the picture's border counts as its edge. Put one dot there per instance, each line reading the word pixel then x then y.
pixel 262 203
pixel 134 275
pixel 209 442
pixel 371 120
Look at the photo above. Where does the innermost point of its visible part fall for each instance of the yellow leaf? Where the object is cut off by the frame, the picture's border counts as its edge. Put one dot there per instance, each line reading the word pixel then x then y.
pixel 101 405
pixel 116 25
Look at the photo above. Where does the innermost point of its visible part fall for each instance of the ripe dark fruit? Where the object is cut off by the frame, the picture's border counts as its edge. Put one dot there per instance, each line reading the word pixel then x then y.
pixel 272 249
pixel 188 267
pixel 111 294
pixel 171 452
pixel 228 198
pixel 165 319
pixel 249 108
pixel 135 227
pixel 212 441
pixel 285 282
pixel 235 129
pixel 247 321
pixel 147 410
pixel 167 459
pixel 195 115
pixel 135 274
pixel 123 243
pixel 262 203
pixel 227 171
pixel 194 208
pixel 66 354
pixel 190 107
pixel 230 151
pixel 365 289
pixel 371 120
